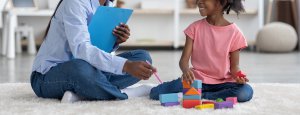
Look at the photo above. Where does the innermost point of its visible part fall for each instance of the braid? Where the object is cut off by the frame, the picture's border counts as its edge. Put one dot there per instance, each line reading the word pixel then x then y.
pixel 235 5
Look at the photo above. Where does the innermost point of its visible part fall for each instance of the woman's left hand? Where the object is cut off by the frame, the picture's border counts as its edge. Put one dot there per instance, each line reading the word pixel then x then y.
pixel 122 32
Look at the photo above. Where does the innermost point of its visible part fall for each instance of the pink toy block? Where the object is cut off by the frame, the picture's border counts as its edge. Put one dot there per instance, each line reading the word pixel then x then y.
pixel 232 99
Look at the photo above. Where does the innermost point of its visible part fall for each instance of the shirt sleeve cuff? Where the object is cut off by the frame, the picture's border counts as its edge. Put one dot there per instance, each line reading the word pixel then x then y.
pixel 116 47
pixel 118 64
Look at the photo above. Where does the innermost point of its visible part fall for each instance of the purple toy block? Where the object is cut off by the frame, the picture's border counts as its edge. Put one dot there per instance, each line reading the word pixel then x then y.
pixel 170 104
pixel 225 104
pixel 184 90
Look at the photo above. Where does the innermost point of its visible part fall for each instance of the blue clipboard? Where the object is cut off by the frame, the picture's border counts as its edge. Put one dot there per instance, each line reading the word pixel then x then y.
pixel 103 23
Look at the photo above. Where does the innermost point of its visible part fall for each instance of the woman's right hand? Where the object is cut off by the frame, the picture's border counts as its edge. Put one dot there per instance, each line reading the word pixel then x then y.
pixel 139 69
pixel 188 76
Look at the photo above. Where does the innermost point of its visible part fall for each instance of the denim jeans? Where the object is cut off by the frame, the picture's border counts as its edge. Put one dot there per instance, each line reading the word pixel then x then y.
pixel 243 92
pixel 85 80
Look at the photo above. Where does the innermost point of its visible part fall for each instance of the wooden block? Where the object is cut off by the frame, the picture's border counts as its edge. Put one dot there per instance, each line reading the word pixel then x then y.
pixel 170 104
pixel 197 84
pixel 200 91
pixel 225 104
pixel 191 97
pixel 208 102
pixel 232 99
pixel 172 97
pixel 219 100
pixel 184 90
pixel 190 103
pixel 241 74
pixel 186 85
pixel 205 106
pixel 192 91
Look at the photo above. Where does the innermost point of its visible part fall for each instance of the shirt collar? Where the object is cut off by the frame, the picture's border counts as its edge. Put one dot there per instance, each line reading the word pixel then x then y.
pixel 95 4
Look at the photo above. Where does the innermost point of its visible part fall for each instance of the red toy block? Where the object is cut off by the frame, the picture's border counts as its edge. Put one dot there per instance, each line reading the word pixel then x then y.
pixel 232 99
pixel 208 102
pixel 241 74
pixel 186 85
pixel 192 91
pixel 190 103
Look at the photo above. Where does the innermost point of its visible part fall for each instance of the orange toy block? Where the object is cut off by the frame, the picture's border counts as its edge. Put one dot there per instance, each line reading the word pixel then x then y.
pixel 186 85
pixel 192 91
pixel 190 103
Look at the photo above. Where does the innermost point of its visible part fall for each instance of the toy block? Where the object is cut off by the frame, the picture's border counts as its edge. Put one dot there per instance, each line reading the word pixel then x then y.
pixel 232 99
pixel 192 91
pixel 241 74
pixel 225 104
pixel 205 106
pixel 184 90
pixel 200 91
pixel 219 100
pixel 172 97
pixel 190 103
pixel 208 102
pixel 197 84
pixel 191 97
pixel 186 85
pixel 170 104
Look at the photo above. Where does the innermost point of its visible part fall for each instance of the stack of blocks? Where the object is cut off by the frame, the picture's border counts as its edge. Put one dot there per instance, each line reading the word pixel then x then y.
pixel 171 99
pixel 191 94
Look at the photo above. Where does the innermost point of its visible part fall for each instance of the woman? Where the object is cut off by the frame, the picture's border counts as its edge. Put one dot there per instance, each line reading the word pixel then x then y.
pixel 67 65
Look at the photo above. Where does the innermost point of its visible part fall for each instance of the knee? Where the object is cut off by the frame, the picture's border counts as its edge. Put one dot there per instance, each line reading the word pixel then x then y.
pixel 143 55
pixel 245 93
pixel 80 68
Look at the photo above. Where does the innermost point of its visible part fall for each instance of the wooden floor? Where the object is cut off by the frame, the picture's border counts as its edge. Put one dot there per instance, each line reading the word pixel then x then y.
pixel 260 67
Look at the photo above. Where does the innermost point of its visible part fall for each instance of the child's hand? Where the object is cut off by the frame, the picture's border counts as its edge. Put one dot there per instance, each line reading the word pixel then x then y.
pixel 188 76
pixel 240 77
pixel 122 32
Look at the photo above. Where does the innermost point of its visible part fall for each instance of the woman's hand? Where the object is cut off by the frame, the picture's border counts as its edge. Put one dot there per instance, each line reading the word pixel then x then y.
pixel 122 32
pixel 188 76
pixel 139 69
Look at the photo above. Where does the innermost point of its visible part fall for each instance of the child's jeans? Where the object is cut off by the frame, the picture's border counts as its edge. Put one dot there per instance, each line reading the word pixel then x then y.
pixel 243 92
pixel 85 80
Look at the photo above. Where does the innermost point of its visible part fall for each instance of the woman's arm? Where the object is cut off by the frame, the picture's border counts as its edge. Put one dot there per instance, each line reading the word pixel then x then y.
pixel 78 37
pixel 234 66
pixel 184 61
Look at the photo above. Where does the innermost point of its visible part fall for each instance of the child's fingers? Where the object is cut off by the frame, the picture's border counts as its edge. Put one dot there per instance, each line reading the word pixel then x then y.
pixel 246 79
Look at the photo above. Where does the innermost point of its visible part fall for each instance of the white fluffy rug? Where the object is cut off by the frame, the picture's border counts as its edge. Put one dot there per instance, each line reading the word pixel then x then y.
pixel 268 99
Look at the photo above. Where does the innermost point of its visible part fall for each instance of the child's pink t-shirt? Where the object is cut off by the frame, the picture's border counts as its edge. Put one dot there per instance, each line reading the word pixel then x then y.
pixel 211 50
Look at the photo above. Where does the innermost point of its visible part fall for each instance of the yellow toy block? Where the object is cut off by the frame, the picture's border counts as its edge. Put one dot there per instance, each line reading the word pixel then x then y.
pixel 205 106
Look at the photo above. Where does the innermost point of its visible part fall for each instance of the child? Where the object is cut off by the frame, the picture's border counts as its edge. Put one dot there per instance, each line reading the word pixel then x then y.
pixel 213 44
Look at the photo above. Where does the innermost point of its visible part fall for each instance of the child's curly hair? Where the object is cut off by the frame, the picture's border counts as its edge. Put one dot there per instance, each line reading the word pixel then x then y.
pixel 235 5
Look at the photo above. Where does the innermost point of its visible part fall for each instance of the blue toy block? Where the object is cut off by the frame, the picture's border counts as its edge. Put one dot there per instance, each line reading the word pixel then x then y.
pixel 166 98
pixel 197 84
pixel 191 97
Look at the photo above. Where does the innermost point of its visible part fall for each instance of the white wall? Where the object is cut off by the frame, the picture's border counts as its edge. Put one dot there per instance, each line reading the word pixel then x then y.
pixel 154 26
pixel 249 24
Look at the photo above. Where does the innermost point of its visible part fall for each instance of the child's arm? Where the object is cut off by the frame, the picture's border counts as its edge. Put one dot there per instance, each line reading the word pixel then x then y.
pixel 234 67
pixel 187 75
